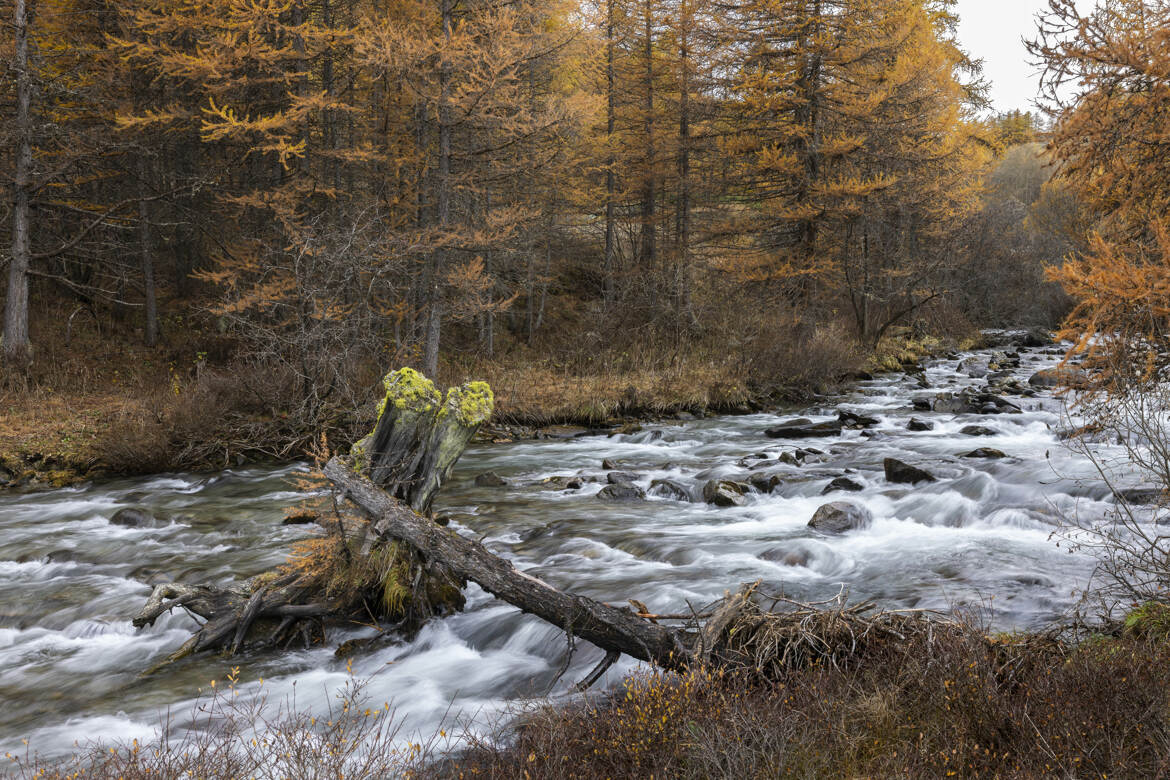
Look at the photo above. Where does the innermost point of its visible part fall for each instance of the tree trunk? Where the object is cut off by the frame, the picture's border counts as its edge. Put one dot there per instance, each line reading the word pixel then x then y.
pixel 649 249
pixel 435 303
pixel 682 281
pixel 16 337
pixel 150 326
pixel 610 183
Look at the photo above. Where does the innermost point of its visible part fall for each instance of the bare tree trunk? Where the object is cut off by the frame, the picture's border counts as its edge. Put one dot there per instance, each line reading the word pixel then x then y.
pixel 150 327
pixel 610 183
pixel 16 338
pixel 683 223
pixel 649 249
pixel 435 302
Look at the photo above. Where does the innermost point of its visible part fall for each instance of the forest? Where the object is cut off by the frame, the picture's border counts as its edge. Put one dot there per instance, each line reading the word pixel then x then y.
pixel 663 389
pixel 261 206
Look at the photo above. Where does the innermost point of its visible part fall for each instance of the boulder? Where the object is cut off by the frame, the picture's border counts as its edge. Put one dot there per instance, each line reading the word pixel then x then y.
pixel 854 420
pixel 919 425
pixel 977 430
pixel 905 474
pixel 843 483
pixel 974 367
pixel 984 452
pixel 804 429
pixel 622 491
pixel 668 488
pixel 1146 495
pixel 490 479
pixel 609 465
pixel 787 557
pixel 1059 377
pixel 622 477
pixel 922 405
pixel 840 516
pixel 133 517
pixel 765 483
pixel 722 492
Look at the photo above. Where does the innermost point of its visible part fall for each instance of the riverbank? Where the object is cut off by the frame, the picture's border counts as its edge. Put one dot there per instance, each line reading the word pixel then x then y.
pixel 100 413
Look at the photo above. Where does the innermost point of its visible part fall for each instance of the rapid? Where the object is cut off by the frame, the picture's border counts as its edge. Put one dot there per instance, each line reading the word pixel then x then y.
pixel 981 536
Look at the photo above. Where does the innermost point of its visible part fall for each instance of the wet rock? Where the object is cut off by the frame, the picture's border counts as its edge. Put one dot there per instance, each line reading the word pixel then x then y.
pixel 1145 495
pixel 627 429
pixel 723 492
pixel 919 425
pixel 845 484
pixel 973 367
pixel 905 474
pixel 787 557
pixel 132 517
pixel 563 432
pixel 971 401
pixel 299 516
pixel 804 429
pixel 1059 377
pixel 609 465
pixel 765 483
pixel 840 516
pixel 984 452
pixel 668 488
pixel 623 491
pixel 790 459
pixel 854 420
pixel 490 479
pixel 61 556
pixel 566 482
pixel 922 405
pixel 622 477
pixel 684 416
pixel 977 430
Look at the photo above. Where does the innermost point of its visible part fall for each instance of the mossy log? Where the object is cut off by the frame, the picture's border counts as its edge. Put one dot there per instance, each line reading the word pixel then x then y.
pixel 350 574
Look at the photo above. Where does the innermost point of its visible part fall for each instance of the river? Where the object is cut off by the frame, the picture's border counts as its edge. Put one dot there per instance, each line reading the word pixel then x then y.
pixel 982 535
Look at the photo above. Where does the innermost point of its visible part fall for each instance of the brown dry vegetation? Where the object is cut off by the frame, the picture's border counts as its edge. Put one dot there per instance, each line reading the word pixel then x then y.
pixel 955 704
pixel 94 406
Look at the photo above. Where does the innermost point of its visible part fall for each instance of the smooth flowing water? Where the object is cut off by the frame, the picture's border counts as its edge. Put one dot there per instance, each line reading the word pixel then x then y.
pixel 982 534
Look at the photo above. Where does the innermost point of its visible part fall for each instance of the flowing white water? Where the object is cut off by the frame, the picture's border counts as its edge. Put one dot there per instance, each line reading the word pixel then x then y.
pixel 982 534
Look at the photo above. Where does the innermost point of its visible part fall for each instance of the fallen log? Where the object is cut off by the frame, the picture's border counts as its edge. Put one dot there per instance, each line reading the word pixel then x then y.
pixel 613 629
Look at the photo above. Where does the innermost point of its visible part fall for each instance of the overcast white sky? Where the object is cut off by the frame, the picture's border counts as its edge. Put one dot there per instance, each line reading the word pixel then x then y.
pixel 992 30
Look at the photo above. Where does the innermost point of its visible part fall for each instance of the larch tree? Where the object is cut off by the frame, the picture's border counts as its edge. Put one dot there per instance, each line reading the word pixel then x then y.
pixel 1107 81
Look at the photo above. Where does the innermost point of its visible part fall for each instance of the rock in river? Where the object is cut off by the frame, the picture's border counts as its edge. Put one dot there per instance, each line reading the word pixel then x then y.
pixel 804 428
pixel 977 430
pixel 984 452
pixel 919 425
pixel 668 488
pixel 132 517
pixel 843 483
pixel 840 516
pixel 490 479
pixel 1059 377
pixel 722 492
pixel 622 477
pixel 904 473
pixel 623 491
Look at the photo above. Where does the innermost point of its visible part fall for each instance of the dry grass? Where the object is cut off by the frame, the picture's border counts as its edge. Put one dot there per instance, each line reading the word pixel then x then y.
pixel 950 703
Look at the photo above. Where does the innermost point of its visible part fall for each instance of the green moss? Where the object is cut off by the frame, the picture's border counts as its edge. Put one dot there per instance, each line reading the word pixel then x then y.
pixel 359 453
pixel 408 389
pixel 472 403
pixel 1149 621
